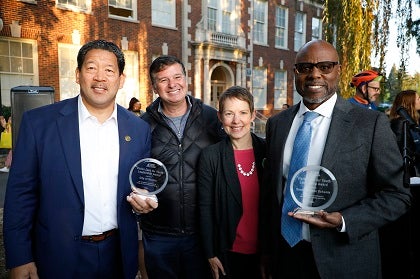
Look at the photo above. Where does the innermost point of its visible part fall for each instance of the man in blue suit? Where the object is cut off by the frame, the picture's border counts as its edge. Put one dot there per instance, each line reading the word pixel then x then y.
pixel 68 208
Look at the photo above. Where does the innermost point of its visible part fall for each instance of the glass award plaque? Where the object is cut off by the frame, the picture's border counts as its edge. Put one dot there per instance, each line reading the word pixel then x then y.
pixel 313 188
pixel 148 174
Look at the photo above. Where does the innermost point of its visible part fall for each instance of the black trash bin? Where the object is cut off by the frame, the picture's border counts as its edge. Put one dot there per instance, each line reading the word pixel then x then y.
pixel 24 98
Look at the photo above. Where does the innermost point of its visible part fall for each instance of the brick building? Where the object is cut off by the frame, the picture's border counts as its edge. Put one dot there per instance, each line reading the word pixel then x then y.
pixel 251 43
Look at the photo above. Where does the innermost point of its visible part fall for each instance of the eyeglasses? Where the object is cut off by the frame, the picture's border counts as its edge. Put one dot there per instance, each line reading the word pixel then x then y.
pixel 325 67
pixel 376 89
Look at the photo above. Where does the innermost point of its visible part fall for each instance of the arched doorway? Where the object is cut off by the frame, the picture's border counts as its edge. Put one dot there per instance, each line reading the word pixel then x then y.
pixel 221 78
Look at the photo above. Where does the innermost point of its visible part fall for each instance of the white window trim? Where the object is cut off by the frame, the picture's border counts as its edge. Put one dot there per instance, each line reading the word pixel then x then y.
pixel 7 79
pixel 303 34
pixel 234 13
pixel 123 18
pixel 265 25
pixel 75 8
pixel 319 35
pixel 263 104
pixel 131 86
pixel 283 90
pixel 286 28
pixel 65 91
pixel 172 25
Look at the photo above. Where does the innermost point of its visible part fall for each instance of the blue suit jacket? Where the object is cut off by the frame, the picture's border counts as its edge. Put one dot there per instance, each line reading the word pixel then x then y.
pixel 44 204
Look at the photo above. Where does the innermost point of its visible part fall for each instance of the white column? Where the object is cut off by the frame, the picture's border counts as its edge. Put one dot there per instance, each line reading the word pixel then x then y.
pixel 238 80
pixel 206 81
pixel 197 77
pixel 244 74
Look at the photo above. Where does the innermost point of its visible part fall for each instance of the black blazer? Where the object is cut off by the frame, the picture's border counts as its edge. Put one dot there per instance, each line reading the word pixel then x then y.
pixel 219 193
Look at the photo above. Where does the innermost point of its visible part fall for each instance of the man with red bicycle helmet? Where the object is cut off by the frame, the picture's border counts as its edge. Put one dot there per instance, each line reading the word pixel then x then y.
pixel 368 88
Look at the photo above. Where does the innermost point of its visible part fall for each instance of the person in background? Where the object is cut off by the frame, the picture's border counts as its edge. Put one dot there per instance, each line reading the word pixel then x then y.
pixel 409 100
pixel 182 127
pixel 357 146
pixel 135 106
pixel 68 209
pixel 368 88
pixel 229 181
pixel 285 106
pixel 400 245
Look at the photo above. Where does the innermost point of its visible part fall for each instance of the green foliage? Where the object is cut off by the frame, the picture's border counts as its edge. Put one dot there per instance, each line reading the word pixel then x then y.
pixel 348 25
pixel 411 82
pixel 361 27
pixel 393 84
pixel 415 32
pixel 404 24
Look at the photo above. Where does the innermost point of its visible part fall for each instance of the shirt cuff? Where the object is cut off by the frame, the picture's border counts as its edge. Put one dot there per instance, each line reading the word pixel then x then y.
pixel 342 228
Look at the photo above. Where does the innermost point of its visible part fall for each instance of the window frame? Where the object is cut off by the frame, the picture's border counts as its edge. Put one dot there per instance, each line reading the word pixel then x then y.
pixel 224 9
pixel 10 79
pixel 132 8
pixel 67 83
pixel 300 33
pixel 87 8
pixel 259 87
pixel 170 14
pixel 319 35
pixel 131 83
pixel 280 28
pixel 260 24
pixel 280 88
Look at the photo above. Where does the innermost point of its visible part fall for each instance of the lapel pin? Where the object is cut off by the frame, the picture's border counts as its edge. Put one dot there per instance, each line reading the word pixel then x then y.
pixel 127 138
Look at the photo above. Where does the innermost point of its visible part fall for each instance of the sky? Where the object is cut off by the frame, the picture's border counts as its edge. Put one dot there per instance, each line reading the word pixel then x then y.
pixel 393 54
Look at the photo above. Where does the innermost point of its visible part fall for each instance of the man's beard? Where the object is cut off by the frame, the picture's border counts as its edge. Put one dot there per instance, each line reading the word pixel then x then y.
pixel 318 100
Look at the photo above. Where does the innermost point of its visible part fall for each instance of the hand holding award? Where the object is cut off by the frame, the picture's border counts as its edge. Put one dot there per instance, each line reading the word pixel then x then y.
pixel 148 177
pixel 313 188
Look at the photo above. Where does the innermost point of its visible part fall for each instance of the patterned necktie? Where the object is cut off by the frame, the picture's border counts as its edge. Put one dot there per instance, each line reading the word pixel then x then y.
pixel 291 229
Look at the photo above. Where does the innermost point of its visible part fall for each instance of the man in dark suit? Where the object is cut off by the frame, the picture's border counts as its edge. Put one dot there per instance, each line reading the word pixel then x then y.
pixel 66 213
pixel 359 149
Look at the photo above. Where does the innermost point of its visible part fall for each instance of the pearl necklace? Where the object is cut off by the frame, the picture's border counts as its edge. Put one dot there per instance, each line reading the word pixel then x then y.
pixel 247 173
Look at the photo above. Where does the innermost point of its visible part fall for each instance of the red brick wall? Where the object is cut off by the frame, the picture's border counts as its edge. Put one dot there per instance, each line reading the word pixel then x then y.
pixel 49 26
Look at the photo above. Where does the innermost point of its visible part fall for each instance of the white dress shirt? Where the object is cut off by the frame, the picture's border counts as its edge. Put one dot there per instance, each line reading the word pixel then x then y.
pixel 99 148
pixel 320 127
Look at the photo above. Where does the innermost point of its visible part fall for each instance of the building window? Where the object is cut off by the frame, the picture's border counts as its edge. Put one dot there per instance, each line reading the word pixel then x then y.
pixel 163 13
pixel 18 65
pixel 260 21
pixel 300 22
pixel 281 27
pixel 16 57
pixel 259 87
pixel 280 89
pixel 316 28
pixel 131 86
pixel 75 5
pixel 67 66
pixel 296 96
pixel 212 18
pixel 222 16
pixel 29 1
pixel 125 9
